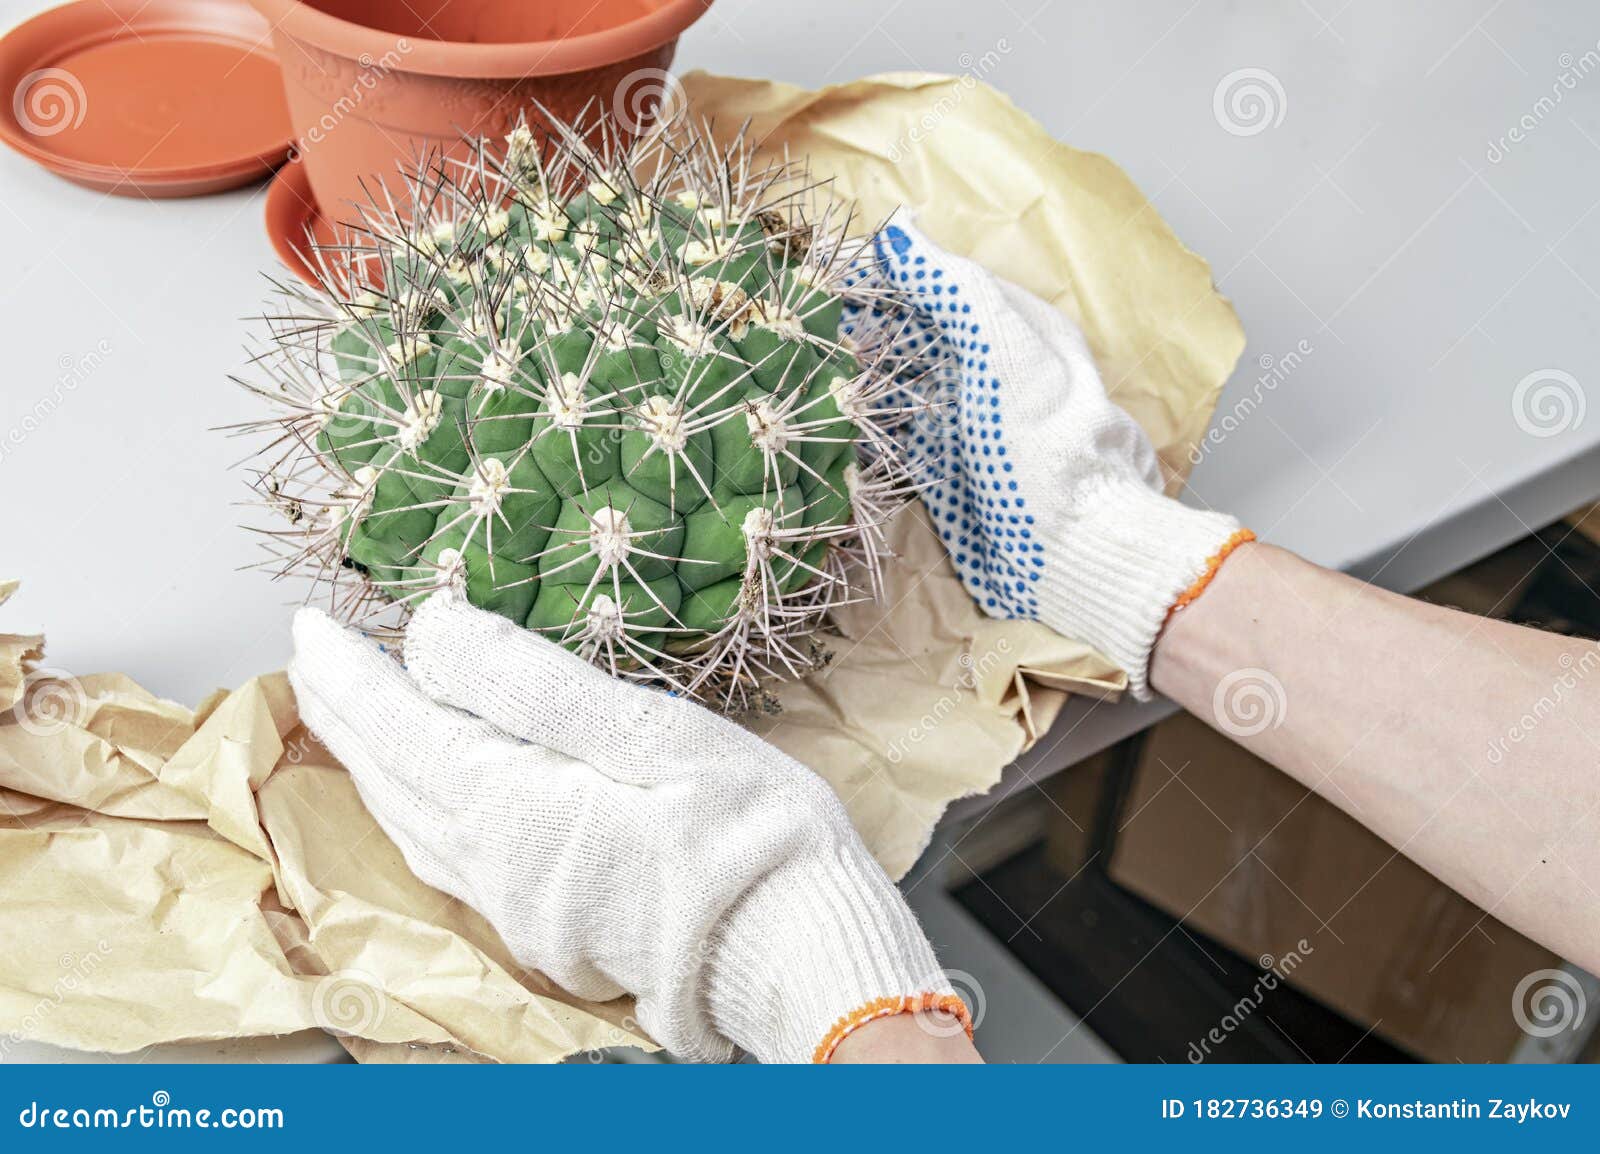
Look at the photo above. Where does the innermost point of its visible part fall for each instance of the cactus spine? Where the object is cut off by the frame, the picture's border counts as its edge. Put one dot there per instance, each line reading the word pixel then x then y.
pixel 635 396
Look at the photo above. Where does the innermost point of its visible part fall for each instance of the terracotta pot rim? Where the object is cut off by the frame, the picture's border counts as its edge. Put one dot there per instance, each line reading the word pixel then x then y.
pixel 460 60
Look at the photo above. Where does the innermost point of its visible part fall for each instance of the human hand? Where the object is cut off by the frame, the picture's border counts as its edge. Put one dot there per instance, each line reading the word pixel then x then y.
pixel 1048 494
pixel 618 839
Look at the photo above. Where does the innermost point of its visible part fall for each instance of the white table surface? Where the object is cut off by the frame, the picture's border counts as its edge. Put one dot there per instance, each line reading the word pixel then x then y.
pixel 1368 221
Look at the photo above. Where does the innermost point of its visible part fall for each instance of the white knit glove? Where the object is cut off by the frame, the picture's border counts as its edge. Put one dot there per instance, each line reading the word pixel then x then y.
pixel 1048 496
pixel 620 840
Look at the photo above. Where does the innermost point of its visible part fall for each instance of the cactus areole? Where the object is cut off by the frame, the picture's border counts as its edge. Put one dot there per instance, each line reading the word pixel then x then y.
pixel 634 397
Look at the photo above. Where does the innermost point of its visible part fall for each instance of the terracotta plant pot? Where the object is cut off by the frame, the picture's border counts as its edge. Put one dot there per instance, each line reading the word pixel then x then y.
pixel 374 84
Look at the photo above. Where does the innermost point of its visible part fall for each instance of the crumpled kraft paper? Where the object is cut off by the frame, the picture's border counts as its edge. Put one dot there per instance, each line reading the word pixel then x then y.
pixel 14 651
pixel 168 874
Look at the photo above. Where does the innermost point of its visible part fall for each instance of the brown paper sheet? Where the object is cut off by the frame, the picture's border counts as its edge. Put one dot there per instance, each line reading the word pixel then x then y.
pixel 15 652
pixel 191 876
pixel 168 874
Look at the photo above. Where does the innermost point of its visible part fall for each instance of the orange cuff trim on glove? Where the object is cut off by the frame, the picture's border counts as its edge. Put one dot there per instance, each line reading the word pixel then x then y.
pixel 1213 563
pixel 888 1008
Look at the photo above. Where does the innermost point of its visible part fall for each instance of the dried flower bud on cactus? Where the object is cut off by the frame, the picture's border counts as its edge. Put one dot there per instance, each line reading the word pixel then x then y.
pixel 603 388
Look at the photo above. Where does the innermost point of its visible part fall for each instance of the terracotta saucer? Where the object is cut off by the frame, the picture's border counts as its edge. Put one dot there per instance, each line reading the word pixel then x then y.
pixel 146 97
pixel 292 216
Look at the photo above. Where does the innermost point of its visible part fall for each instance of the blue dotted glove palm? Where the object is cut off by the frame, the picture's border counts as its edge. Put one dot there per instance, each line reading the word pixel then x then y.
pixel 1046 494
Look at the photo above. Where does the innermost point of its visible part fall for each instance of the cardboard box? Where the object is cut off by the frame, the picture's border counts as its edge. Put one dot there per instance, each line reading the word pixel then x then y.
pixel 1252 858
pixel 1587 522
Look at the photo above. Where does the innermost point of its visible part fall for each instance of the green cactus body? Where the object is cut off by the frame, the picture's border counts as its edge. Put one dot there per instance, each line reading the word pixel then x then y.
pixel 626 420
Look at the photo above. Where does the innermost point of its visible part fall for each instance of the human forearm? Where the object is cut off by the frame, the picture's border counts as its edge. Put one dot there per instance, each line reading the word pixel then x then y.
pixel 1414 720
pixel 909 1039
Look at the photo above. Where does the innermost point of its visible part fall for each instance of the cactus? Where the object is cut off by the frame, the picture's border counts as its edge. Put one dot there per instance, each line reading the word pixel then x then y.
pixel 630 395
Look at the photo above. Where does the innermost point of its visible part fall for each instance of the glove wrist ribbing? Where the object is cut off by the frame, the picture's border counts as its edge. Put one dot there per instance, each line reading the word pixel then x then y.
pixel 818 948
pixel 1126 562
